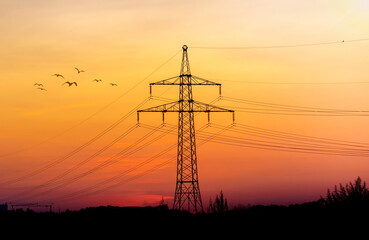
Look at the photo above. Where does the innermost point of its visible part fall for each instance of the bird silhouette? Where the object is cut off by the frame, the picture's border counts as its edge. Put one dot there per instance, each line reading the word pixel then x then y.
pixel 97 80
pixel 58 75
pixel 43 89
pixel 70 83
pixel 113 84
pixel 38 84
pixel 79 71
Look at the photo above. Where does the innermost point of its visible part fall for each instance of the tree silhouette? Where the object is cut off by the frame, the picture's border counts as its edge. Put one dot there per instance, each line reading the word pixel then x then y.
pixel 220 205
pixel 163 204
pixel 352 195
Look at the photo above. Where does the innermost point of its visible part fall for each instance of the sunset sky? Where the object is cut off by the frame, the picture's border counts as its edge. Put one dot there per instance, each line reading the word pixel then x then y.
pixel 132 43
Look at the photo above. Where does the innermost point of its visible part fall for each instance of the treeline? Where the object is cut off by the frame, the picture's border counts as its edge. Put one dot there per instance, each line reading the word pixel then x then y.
pixel 343 202
pixel 353 195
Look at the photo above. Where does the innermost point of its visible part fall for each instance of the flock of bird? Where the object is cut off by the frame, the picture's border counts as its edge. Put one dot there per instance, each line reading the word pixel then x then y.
pixel 40 86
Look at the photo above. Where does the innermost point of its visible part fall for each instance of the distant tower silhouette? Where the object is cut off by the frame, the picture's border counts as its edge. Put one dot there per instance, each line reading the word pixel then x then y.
pixel 187 194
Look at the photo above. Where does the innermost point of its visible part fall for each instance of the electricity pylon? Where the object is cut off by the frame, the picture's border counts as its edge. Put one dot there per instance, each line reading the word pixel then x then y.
pixel 187 194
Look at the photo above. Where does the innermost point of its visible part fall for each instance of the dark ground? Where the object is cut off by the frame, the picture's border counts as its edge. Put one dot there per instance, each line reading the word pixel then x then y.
pixel 343 213
pixel 309 219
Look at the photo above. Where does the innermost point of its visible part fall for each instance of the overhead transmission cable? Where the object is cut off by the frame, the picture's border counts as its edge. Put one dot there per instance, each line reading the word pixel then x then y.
pixel 277 140
pixel 171 127
pixel 281 46
pixel 301 136
pixel 95 113
pixel 73 168
pixel 87 192
pixel 78 149
pixel 292 83
pixel 271 146
pixel 289 143
pixel 42 169
pixel 94 155
pixel 285 83
pixel 297 144
pixel 296 147
pixel 282 109
pixel 126 152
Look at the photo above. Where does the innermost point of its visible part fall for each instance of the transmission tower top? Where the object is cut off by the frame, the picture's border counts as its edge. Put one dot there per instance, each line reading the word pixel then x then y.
pixel 185 65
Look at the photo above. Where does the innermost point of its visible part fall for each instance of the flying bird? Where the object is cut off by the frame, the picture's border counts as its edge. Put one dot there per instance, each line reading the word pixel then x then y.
pixel 70 83
pixel 113 84
pixel 43 89
pixel 58 75
pixel 79 71
pixel 38 84
pixel 97 80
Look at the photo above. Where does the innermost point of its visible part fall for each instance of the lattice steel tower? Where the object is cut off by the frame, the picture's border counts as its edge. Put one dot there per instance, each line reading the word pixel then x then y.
pixel 187 194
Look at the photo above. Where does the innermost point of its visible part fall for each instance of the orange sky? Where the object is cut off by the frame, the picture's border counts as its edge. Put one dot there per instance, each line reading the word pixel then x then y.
pixel 125 41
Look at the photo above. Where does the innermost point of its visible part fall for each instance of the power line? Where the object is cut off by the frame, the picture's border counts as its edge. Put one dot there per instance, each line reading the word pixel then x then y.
pixel 288 148
pixel 112 179
pixel 289 142
pixel 87 191
pixel 290 139
pixel 73 168
pixel 124 153
pixel 95 113
pixel 283 46
pixel 124 173
pixel 288 83
pixel 114 159
pixel 76 150
pixel 294 83
pixel 241 142
pixel 267 132
pixel 283 109
pixel 293 142
pixel 300 114
pixel 307 148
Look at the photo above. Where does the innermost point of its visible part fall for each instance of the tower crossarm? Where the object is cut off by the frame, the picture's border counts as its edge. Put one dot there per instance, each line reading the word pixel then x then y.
pixel 176 107
pixel 168 81
pixel 192 80
pixel 168 107
pixel 204 107
pixel 202 81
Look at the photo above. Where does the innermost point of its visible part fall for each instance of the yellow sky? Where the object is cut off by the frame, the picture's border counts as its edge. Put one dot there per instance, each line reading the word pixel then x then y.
pixel 125 41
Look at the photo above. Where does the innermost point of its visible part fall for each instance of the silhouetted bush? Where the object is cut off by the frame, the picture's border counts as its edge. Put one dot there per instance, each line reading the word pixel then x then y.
pixel 353 195
pixel 220 205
